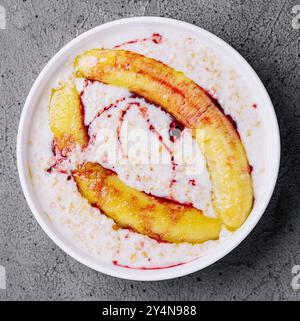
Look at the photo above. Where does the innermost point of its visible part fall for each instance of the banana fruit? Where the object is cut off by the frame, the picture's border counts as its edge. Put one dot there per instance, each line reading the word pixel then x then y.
pixel 160 219
pixel 219 140
pixel 66 118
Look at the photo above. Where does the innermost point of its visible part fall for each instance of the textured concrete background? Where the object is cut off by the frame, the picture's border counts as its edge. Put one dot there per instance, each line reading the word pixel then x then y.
pixel 260 268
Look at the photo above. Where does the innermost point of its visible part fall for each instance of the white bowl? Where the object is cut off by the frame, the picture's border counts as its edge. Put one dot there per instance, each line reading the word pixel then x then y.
pixel 267 114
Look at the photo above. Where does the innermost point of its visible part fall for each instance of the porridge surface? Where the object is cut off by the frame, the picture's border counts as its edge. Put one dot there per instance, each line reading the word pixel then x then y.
pixel 84 225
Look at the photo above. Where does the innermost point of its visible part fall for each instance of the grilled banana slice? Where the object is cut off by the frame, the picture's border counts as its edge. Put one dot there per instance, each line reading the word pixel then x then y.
pixel 158 218
pixel 66 118
pixel 221 145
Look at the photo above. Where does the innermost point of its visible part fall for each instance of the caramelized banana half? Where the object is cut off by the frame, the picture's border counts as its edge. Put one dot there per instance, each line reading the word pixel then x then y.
pixel 158 218
pixel 219 140
pixel 66 118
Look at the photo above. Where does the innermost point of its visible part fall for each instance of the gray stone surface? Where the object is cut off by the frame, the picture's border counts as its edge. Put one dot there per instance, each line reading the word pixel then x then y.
pixel 260 268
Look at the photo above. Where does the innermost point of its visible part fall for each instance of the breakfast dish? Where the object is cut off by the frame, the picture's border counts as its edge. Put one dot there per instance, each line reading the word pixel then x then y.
pixel 147 152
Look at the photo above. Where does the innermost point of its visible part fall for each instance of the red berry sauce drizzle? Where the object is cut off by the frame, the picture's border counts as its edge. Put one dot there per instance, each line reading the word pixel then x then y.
pixel 57 159
pixel 107 108
pixel 155 38
pixel 115 262
pixel 174 125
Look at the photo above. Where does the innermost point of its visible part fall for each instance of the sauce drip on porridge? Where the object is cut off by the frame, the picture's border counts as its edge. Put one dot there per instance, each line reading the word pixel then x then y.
pixel 155 38
pixel 115 262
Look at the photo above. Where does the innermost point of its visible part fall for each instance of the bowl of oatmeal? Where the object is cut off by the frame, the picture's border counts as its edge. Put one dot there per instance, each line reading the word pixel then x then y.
pixel 148 148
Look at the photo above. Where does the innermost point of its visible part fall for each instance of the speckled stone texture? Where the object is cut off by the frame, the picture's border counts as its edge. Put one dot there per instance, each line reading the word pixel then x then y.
pixel 260 268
